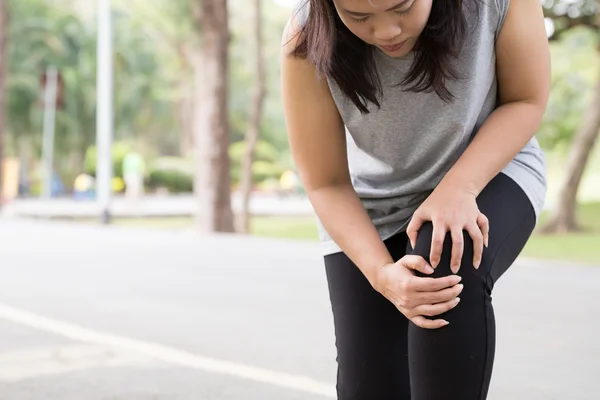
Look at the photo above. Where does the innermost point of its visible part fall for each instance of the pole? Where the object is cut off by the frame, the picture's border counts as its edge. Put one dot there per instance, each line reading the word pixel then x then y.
pixel 49 126
pixel 104 113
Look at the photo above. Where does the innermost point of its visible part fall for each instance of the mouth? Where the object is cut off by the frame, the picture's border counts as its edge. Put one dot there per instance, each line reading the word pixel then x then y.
pixel 394 47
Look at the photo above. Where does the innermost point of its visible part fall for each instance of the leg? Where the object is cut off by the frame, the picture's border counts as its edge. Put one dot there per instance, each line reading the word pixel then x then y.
pixel 371 334
pixel 455 362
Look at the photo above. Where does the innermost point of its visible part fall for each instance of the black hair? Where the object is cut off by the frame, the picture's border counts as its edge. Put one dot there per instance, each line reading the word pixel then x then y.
pixel 339 54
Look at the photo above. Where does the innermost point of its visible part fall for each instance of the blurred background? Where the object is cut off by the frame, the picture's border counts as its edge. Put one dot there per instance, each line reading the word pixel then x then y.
pixel 131 130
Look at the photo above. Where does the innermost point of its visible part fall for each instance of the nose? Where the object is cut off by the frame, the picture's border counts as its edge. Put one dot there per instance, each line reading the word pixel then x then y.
pixel 387 32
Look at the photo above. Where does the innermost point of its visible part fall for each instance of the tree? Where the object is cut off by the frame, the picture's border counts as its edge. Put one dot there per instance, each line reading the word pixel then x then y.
pixel 566 16
pixel 3 68
pixel 211 129
pixel 253 132
pixel 171 23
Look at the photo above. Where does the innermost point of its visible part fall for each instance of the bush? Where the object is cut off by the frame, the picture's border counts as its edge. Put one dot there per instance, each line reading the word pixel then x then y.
pixel 171 173
pixel 263 170
pixel 119 151
pixel 265 166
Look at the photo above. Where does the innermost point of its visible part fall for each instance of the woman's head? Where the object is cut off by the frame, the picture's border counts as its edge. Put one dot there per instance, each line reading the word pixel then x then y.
pixel 391 25
pixel 340 37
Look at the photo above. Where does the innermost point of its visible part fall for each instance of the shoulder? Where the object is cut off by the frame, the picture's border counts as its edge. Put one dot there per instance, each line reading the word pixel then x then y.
pixel 499 10
pixel 485 17
pixel 294 28
pixel 299 74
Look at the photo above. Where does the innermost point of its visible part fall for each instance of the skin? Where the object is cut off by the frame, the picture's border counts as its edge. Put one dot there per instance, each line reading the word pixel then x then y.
pixel 319 150
pixel 385 22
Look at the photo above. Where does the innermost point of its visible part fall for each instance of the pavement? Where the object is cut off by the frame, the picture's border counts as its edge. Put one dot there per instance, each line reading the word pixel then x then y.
pixel 97 313
pixel 150 206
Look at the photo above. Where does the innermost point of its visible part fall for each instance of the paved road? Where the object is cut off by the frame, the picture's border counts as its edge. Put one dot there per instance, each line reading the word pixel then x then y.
pixel 102 313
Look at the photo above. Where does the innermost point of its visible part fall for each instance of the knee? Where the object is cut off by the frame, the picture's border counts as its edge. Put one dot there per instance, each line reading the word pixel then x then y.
pixel 473 279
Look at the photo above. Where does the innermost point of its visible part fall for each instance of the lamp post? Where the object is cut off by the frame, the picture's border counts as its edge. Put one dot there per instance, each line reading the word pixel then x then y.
pixel 104 111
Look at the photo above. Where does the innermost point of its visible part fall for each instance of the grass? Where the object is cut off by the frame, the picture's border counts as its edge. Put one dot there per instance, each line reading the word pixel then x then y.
pixel 303 228
pixel 581 247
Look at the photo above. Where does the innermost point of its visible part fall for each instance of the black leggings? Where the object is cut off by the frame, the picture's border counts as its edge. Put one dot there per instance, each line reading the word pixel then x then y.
pixel 381 355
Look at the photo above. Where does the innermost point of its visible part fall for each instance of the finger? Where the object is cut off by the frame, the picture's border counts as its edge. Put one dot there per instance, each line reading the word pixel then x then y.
pixel 419 284
pixel 413 229
pixel 440 296
pixel 423 322
pixel 416 263
pixel 437 243
pixel 477 237
pixel 458 248
pixel 484 226
pixel 431 310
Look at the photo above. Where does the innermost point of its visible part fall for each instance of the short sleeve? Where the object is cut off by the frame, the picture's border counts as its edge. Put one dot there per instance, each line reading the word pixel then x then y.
pixel 501 11
pixel 302 10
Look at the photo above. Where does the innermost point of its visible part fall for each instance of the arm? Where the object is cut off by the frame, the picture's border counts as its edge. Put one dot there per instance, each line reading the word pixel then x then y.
pixel 523 70
pixel 317 140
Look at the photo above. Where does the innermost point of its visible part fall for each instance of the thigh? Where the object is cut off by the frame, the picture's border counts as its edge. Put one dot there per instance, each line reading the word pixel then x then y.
pixel 456 361
pixel 370 333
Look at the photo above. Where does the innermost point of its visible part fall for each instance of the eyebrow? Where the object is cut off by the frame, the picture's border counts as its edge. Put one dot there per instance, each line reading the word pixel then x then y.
pixel 360 14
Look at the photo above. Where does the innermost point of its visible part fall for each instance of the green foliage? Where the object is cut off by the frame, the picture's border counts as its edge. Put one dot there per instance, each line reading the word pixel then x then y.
pixel 264 170
pixel 171 173
pixel 574 73
pixel 51 33
pixel 119 151
pixel 266 165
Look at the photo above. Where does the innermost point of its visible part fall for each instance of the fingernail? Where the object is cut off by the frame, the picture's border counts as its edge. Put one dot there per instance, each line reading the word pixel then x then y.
pixel 445 323
pixel 457 300
pixel 476 264
pixel 454 268
pixel 429 270
pixel 461 287
pixel 458 278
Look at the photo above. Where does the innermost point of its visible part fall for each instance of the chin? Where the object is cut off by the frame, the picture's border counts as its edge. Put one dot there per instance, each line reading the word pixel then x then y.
pixel 397 54
pixel 405 50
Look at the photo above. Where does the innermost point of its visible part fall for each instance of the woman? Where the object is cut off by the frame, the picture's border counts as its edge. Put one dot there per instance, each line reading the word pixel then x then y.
pixel 412 123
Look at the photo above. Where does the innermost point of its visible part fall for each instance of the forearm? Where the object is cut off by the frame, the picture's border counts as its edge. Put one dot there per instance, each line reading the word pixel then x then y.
pixel 506 131
pixel 346 221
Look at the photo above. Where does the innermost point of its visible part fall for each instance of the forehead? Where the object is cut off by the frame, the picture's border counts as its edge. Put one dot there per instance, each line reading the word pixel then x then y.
pixel 367 6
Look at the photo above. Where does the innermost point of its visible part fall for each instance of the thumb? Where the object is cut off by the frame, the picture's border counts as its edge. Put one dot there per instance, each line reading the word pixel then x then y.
pixel 416 263
pixel 413 228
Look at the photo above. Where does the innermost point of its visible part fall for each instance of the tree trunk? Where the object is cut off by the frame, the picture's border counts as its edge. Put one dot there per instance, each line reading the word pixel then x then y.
pixel 253 133
pixel 186 102
pixel 212 176
pixel 3 73
pixel 563 218
pixel 186 120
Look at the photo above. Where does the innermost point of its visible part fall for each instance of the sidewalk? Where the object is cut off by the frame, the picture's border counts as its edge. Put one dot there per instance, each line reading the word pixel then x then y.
pixel 149 206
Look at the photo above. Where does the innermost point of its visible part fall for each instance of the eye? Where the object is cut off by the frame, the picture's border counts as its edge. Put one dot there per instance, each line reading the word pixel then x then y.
pixel 407 10
pixel 361 20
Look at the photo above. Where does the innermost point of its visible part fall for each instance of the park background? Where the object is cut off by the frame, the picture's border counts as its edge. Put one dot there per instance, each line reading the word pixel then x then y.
pixel 209 284
pixel 160 93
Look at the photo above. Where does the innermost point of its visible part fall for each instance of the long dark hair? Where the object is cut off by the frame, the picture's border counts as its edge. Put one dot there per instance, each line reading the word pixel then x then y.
pixel 339 54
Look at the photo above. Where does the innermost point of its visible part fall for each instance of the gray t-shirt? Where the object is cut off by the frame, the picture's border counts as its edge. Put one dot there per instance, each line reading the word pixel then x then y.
pixel 399 153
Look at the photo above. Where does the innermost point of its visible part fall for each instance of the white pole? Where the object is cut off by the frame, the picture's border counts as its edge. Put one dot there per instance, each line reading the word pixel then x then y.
pixel 104 112
pixel 50 93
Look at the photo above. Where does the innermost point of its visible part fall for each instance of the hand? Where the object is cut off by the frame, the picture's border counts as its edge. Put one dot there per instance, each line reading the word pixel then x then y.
pixel 418 297
pixel 451 210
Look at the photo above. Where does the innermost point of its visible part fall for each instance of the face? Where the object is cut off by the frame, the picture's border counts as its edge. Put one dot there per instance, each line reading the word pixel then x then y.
pixel 391 25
